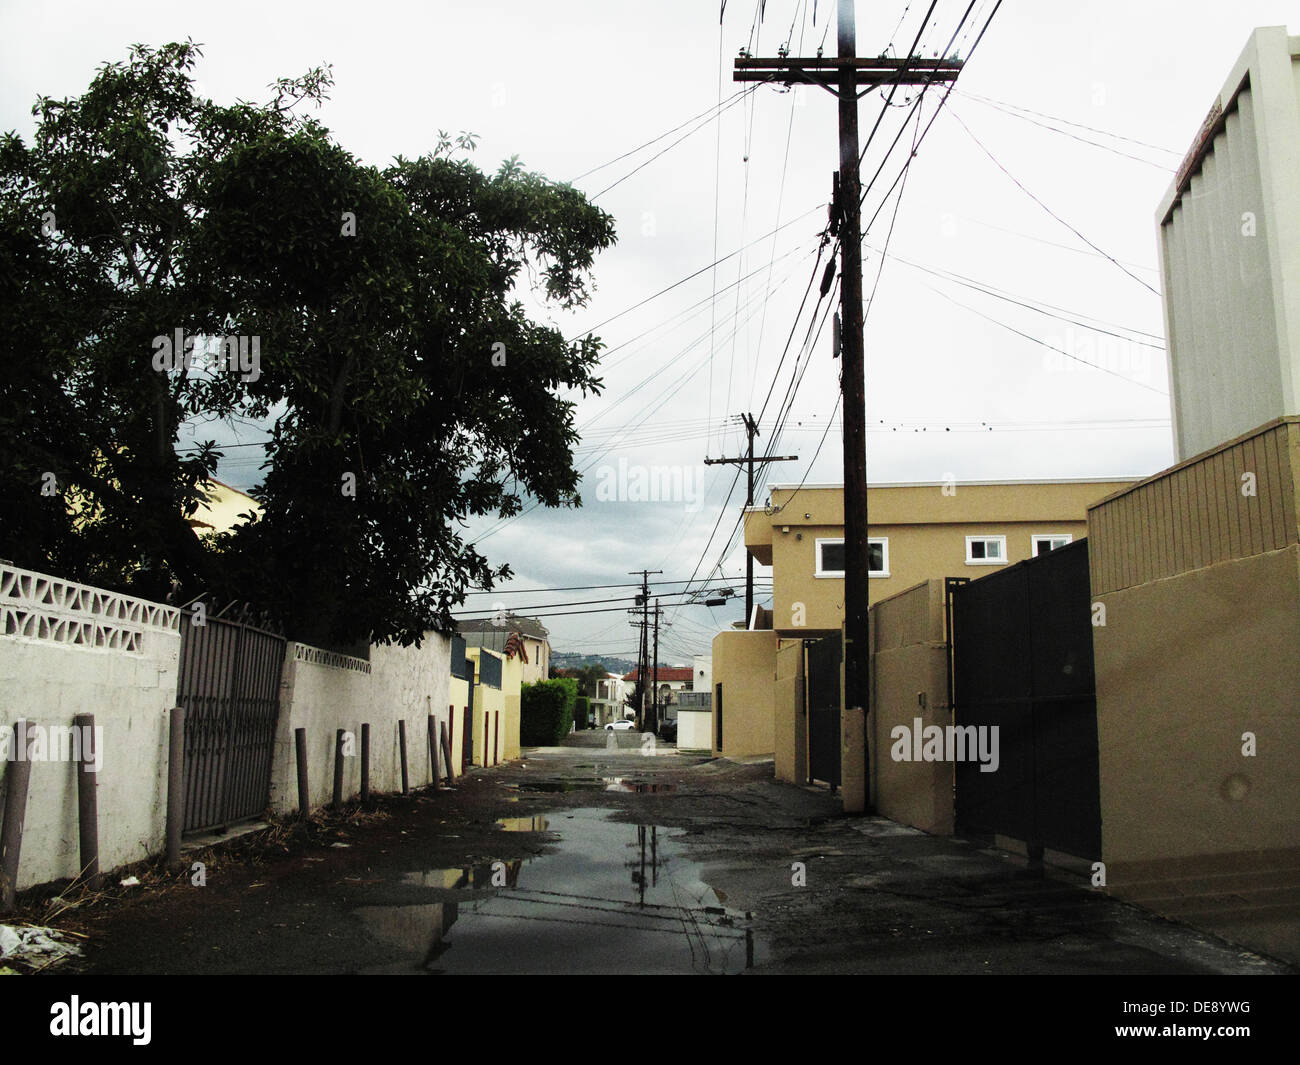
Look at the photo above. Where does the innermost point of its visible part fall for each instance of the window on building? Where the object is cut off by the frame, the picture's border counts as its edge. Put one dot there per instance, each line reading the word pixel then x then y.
pixel 1041 544
pixel 830 557
pixel 986 550
pixel 878 557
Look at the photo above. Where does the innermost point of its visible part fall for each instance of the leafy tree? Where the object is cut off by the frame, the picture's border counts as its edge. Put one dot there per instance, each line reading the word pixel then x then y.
pixel 404 385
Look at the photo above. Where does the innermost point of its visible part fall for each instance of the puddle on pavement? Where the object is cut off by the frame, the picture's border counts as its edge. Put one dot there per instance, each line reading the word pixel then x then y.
pixel 608 897
pixel 640 787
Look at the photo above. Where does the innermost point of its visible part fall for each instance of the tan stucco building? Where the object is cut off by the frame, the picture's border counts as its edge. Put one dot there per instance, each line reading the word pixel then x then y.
pixel 917 533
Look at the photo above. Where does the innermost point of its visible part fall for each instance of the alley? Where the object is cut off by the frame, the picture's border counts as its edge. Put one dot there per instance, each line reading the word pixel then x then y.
pixel 591 859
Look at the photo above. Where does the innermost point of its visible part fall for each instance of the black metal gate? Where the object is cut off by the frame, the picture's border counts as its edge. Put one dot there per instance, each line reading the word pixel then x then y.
pixel 822 670
pixel 230 688
pixel 1022 661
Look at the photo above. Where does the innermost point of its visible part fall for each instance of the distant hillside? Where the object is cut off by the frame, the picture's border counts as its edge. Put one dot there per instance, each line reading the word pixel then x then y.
pixel 621 666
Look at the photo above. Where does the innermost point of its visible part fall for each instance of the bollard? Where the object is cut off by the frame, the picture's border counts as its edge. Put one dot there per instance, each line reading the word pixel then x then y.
pixel 175 785
pixel 450 774
pixel 87 804
pixel 365 764
pixel 304 791
pixel 17 777
pixel 401 744
pixel 338 767
pixel 433 750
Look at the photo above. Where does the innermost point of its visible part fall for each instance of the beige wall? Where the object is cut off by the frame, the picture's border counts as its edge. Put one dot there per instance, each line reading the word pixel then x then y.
pixel 1201 591
pixel 790 715
pixel 1194 514
pixel 744 663
pixel 1185 666
pixel 910 668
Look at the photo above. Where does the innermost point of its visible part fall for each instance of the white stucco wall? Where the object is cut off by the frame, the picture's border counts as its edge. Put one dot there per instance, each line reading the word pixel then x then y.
pixel 68 649
pixel 694 729
pixel 323 692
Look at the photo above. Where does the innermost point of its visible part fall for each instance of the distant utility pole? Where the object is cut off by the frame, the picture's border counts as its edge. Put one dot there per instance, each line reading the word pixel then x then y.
pixel 654 713
pixel 842 76
pixel 643 601
pixel 748 460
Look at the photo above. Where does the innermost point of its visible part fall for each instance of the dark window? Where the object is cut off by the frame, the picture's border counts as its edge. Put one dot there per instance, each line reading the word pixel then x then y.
pixel 876 558
pixel 977 549
pixel 832 558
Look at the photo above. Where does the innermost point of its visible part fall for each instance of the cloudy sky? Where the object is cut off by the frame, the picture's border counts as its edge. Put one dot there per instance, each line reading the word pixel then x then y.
pixel 1015 330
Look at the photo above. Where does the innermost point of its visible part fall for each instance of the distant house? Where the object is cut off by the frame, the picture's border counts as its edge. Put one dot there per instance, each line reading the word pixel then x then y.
pixel 515 637
pixel 223 508
pixel 609 702
pixel 672 680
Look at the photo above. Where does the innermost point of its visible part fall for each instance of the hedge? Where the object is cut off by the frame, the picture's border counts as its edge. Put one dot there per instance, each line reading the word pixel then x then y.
pixel 546 711
pixel 582 712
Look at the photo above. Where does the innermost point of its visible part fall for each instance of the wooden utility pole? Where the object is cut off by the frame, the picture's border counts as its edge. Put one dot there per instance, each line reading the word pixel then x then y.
pixel 748 460
pixel 654 723
pixel 842 76
pixel 643 601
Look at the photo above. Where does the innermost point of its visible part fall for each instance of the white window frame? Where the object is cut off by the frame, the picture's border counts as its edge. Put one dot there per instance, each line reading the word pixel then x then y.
pixel 817 558
pixel 883 541
pixel 839 573
pixel 972 561
pixel 1033 541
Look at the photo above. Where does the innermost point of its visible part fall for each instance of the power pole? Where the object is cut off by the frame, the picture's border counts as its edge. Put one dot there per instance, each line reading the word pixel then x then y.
pixel 842 76
pixel 748 460
pixel 654 722
pixel 643 601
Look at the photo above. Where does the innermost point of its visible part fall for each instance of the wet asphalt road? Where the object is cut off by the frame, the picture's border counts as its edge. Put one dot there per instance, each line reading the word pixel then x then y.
pixel 589 859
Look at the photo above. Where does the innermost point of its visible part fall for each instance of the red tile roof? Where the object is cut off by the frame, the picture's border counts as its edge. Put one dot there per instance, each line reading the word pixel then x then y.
pixel 667 673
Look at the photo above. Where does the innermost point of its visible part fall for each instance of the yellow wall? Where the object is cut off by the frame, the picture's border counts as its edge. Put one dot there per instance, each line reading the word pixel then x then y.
pixel 458 699
pixel 222 509
pixel 511 674
pixel 490 711
pixel 744 663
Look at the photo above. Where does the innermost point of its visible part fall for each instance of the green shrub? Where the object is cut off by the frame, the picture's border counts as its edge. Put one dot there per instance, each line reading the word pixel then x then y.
pixel 582 712
pixel 546 711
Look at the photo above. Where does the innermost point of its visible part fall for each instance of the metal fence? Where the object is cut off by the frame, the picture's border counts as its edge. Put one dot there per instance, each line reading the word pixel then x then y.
pixel 229 685
pixel 1022 662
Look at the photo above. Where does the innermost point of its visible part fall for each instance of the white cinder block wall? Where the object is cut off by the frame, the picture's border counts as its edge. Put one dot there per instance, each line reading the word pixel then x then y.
pixel 68 649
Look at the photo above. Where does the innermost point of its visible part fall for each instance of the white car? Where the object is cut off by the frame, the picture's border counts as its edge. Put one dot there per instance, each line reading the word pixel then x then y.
pixel 620 726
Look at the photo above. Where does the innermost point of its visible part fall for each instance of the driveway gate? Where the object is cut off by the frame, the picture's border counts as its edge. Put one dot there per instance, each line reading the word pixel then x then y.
pixel 822 670
pixel 1022 661
pixel 230 688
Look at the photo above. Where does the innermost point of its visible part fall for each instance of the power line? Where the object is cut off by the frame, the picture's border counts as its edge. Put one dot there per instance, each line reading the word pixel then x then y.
pixel 1022 188
pixel 667 133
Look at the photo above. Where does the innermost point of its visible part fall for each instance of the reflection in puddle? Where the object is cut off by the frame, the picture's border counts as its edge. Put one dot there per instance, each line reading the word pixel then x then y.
pixel 608 898
pixel 594 784
pixel 523 824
